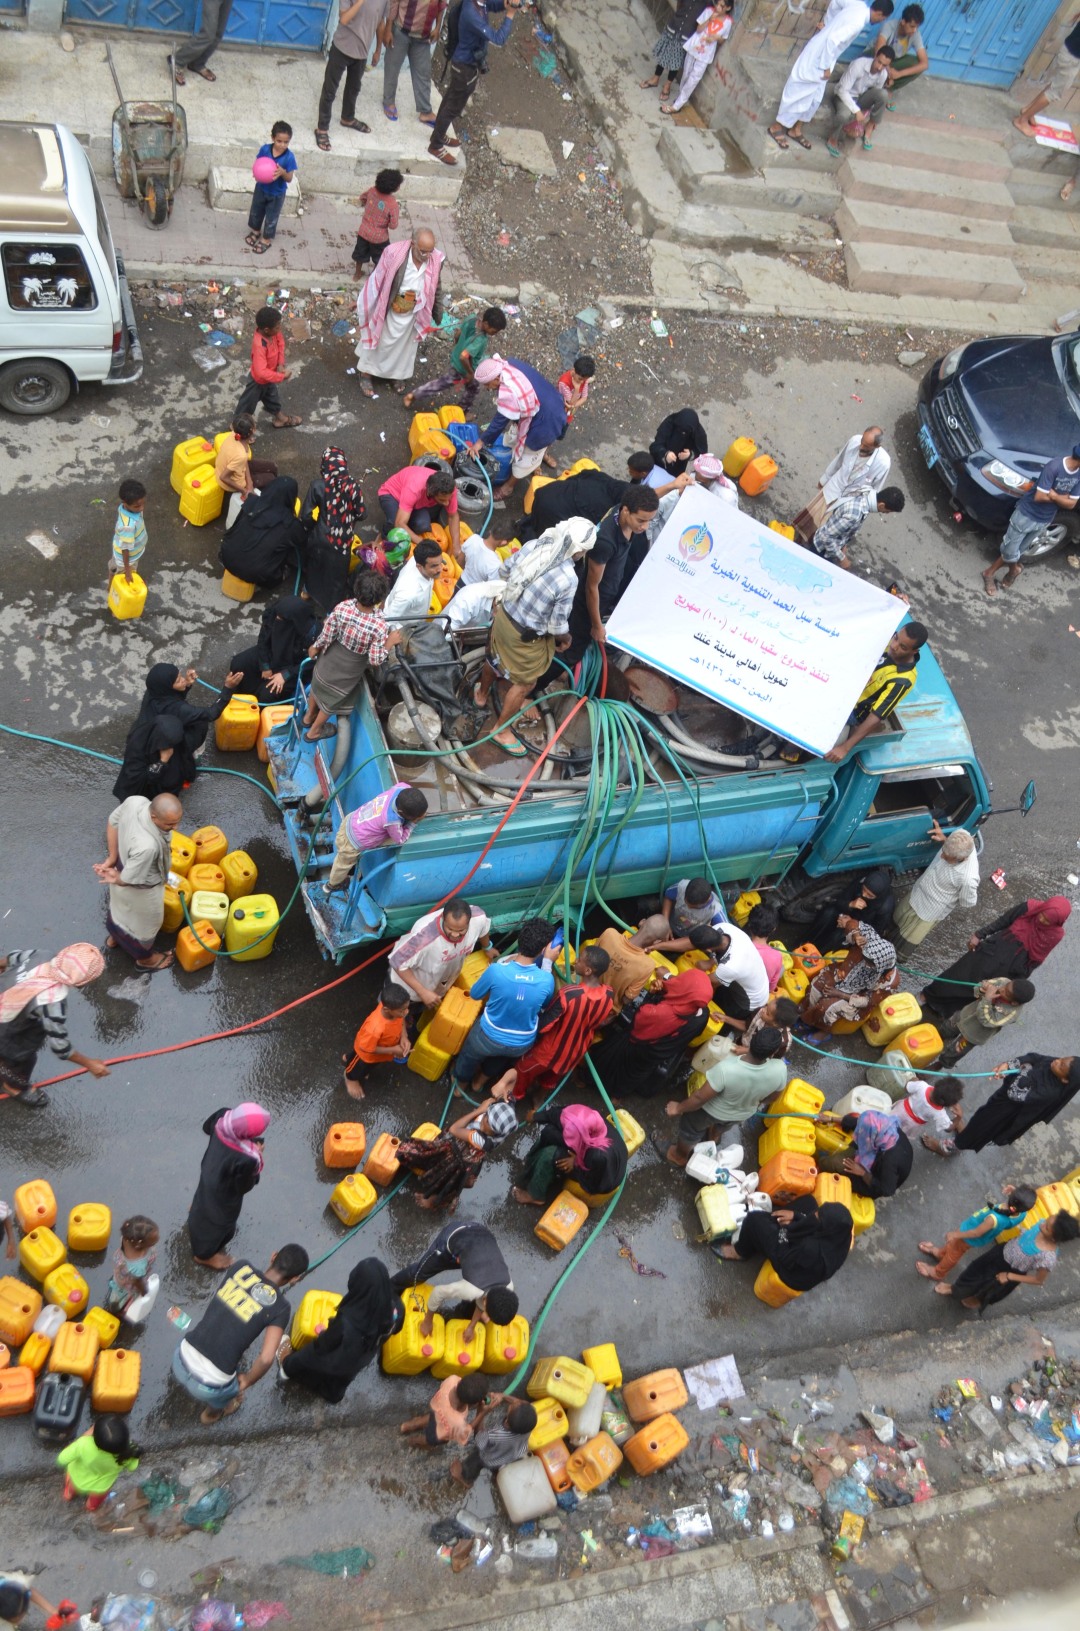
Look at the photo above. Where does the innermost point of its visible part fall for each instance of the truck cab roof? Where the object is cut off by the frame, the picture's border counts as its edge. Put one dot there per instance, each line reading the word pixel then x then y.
pixel 927 728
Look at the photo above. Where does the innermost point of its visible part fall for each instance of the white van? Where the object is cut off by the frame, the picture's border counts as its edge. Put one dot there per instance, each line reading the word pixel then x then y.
pixel 66 315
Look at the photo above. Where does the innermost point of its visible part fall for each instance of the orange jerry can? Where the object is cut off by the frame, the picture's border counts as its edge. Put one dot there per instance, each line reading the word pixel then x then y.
pixel 453 1020
pixel 594 1463
pixel 116 1381
pixel 277 714
pixel 921 1045
pixel 16 1390
pixel 206 875
pixel 35 1351
pixel 210 846
pixel 787 1176
pixel 655 1394
pixel 35 1205
pixel 553 1458
pixel 562 1220
pixel 75 1350
pixel 344 1144
pixel 382 1165
pixel 809 959
pixel 656 1445
pixel 198 946
pixel 769 1288
pixel 20 1306
pixel 758 474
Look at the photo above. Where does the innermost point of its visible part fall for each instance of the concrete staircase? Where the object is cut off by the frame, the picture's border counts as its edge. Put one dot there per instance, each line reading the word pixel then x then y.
pixel 927 212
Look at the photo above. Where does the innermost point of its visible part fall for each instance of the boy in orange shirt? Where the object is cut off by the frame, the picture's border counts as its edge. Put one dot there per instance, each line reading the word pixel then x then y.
pixel 267 370
pixel 380 1038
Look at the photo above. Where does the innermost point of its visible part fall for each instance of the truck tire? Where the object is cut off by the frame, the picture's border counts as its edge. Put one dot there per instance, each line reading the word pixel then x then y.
pixel 34 385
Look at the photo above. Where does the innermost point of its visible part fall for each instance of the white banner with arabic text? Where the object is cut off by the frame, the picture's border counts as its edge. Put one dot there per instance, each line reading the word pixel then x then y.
pixel 764 626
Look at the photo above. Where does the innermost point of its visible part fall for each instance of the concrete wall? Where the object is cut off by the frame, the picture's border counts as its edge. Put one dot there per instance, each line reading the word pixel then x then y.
pixel 770 28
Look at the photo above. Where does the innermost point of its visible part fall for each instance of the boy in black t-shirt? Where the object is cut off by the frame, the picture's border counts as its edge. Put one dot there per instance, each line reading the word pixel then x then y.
pixel 247 1304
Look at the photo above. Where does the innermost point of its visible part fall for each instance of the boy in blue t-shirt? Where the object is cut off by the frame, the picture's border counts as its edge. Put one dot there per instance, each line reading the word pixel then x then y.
pixel 129 534
pixel 268 196
pixel 516 989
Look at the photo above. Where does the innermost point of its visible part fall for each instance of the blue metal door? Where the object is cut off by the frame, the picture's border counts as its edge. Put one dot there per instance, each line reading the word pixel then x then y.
pixel 300 24
pixel 985 42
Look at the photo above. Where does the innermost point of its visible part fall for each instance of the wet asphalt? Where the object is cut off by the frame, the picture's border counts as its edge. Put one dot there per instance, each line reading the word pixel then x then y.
pixel 134 1140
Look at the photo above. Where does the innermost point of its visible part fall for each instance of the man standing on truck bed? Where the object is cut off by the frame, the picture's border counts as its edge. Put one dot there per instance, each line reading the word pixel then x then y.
pixel 888 685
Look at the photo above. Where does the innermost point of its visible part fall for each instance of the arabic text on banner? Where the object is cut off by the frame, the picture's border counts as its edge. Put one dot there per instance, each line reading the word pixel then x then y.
pixel 766 627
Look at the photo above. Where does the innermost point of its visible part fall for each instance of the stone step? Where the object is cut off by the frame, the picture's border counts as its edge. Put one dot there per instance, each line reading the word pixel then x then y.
pixel 1037 264
pixel 1039 187
pixel 810 193
pixel 730 228
pixel 893 269
pixel 229 187
pixel 1027 154
pixel 861 220
pixel 948 130
pixel 1053 228
pixel 909 143
pixel 907 188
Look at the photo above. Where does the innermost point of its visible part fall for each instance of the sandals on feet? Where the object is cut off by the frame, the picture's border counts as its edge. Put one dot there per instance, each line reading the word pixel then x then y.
pixel 356 124
pixel 207 74
pixel 802 141
pixel 259 247
pixel 391 113
pixel 286 422
pixel 781 141
pixel 178 73
pixel 322 140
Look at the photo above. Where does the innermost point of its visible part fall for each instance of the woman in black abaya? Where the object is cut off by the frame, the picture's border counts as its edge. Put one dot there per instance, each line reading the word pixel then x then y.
pixel 679 439
pixel 271 667
pixel 369 1312
pixel 167 689
pixel 872 901
pixel 262 544
pixel 1036 1088
pixel 152 764
pixel 805 1243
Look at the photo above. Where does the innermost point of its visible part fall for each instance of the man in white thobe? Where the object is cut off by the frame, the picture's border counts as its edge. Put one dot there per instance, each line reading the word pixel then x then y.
pixel 843 22
pixel 861 462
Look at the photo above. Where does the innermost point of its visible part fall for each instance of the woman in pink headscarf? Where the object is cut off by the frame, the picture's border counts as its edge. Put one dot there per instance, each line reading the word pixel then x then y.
pixel 400 302
pixel 33 1012
pixel 231 1167
pixel 577 1145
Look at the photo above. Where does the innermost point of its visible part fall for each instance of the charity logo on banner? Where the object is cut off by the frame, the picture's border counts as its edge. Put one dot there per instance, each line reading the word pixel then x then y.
pixel 769 629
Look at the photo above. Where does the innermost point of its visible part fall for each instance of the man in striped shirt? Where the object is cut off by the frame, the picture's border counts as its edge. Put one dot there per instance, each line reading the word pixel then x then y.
pixel 567 1025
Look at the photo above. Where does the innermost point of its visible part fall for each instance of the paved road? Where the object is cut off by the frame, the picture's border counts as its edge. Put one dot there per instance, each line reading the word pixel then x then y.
pixel 67 670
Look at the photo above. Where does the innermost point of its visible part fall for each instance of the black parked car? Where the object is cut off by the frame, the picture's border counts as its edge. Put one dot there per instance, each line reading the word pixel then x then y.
pixel 992 414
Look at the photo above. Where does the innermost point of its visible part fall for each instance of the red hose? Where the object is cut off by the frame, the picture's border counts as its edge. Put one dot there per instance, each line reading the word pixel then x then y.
pixel 297 1002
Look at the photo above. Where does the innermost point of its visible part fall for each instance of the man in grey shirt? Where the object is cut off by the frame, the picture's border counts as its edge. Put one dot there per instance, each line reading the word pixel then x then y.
pixel 359 24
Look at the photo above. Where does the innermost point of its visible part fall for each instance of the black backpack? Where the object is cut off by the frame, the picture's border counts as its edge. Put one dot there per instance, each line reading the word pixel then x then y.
pixel 448 39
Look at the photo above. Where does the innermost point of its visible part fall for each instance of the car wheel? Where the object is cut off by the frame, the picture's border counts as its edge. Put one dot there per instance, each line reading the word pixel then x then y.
pixel 1049 539
pixel 34 385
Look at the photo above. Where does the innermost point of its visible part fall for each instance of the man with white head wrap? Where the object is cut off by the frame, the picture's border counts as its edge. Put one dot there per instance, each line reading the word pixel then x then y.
pixel 532 621
pixel 951 880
